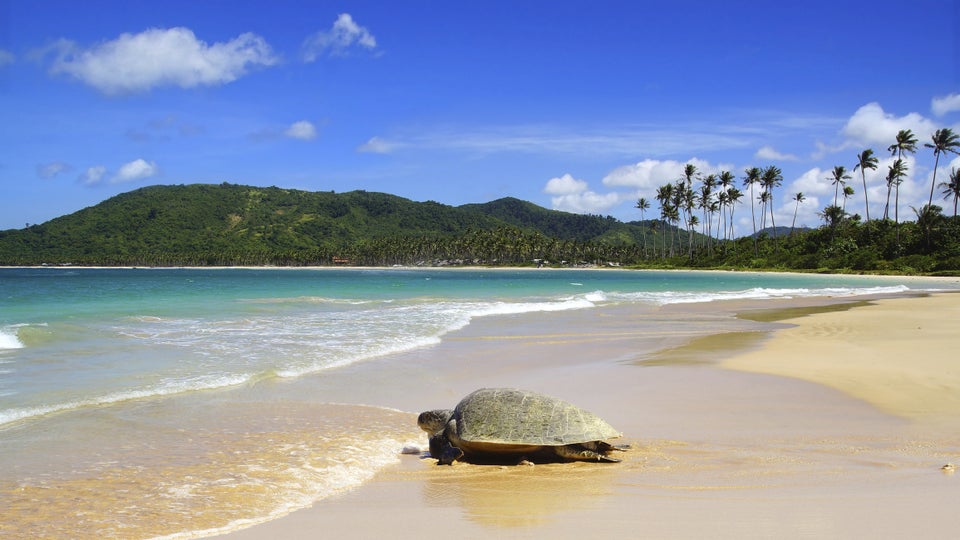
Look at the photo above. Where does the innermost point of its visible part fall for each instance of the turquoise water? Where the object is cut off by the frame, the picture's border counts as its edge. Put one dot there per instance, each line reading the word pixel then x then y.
pixel 85 337
pixel 145 355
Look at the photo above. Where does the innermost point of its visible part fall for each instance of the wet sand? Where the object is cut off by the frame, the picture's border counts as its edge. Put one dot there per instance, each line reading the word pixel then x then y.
pixel 824 425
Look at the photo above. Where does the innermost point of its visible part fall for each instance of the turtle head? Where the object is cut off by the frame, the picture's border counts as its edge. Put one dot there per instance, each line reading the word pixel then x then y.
pixel 434 421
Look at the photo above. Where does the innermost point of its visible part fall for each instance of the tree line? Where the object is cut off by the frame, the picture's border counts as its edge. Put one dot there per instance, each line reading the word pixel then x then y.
pixel 708 202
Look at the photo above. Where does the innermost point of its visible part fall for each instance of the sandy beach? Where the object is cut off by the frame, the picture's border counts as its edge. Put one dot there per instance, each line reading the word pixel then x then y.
pixel 835 424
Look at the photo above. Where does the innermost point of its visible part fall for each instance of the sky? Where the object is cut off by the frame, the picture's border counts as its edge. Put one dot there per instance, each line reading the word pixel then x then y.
pixel 576 106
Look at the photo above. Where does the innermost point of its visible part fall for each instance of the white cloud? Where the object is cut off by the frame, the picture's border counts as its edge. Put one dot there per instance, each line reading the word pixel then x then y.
pixel 586 202
pixel 161 57
pixel 50 170
pixel 954 164
pixel 945 104
pixel 812 183
pixel 93 175
pixel 651 173
pixel 377 145
pixel 620 142
pixel 6 58
pixel 303 130
pixel 565 185
pixel 870 125
pixel 770 154
pixel 342 36
pixel 823 149
pixel 572 195
pixel 138 169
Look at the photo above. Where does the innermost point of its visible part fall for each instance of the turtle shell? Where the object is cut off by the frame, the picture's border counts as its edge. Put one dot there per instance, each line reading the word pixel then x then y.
pixel 519 417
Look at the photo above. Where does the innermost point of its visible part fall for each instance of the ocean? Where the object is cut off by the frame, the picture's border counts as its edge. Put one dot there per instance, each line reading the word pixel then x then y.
pixel 181 403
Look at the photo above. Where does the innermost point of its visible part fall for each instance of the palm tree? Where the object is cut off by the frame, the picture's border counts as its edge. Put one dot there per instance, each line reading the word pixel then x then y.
pixel 726 182
pixel 952 189
pixel 688 203
pixel 654 225
pixel 771 178
pixel 865 160
pixel 689 172
pixel 643 204
pixel 928 218
pixel 799 197
pixel 886 207
pixel 706 202
pixel 839 175
pixel 906 142
pixel 752 177
pixel 847 193
pixel 734 196
pixel 723 200
pixel 664 197
pixel 944 140
pixel 764 198
pixel 895 176
pixel 832 215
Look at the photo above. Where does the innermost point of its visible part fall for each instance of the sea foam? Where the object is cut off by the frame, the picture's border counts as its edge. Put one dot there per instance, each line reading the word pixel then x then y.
pixel 758 293
pixel 9 339
pixel 163 389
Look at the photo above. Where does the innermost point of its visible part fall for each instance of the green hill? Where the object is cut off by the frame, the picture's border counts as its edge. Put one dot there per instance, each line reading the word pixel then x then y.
pixel 232 224
pixel 561 225
pixel 202 225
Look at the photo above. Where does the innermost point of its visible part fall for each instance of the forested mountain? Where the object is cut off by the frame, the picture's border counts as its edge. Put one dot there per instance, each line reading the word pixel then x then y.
pixel 233 224
pixel 561 225
pixel 226 224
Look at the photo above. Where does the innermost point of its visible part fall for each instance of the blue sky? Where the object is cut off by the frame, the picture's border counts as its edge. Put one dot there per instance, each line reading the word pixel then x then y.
pixel 578 106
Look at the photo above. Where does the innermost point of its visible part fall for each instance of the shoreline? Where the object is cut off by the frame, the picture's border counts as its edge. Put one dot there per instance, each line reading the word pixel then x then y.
pixel 707 438
pixel 597 267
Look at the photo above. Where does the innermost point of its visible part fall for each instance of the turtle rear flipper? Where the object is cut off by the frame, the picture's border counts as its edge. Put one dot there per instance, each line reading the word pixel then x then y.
pixel 580 453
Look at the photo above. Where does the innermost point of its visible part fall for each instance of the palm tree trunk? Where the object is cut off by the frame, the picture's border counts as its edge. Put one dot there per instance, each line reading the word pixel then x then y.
pixel 936 162
pixel 886 208
pixel 753 217
pixel 896 211
pixel 866 199
pixel 773 220
pixel 731 221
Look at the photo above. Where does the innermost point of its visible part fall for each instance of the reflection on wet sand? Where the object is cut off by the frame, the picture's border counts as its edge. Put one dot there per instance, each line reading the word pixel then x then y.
pixel 519 496
pixel 658 471
pixel 704 350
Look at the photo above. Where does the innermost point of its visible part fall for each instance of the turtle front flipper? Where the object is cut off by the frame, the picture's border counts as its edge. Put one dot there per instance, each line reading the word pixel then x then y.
pixel 581 453
pixel 441 449
pixel 436 444
pixel 448 454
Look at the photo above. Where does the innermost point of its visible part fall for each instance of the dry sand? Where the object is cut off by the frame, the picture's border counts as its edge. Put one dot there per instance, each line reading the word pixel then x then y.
pixel 901 355
pixel 834 426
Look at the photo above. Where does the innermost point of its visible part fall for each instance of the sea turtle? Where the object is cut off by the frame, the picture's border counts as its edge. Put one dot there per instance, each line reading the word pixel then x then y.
pixel 496 423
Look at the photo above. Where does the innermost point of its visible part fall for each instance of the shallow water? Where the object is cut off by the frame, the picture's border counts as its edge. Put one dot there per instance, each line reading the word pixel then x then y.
pixel 235 465
pixel 174 402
